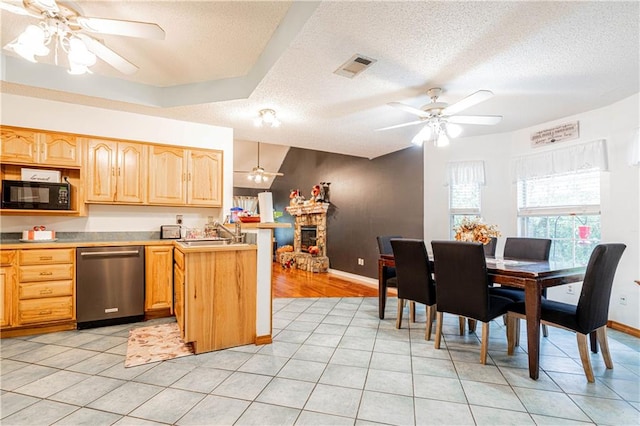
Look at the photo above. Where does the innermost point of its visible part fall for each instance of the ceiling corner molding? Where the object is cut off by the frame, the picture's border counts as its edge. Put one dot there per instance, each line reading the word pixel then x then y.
pixel 19 71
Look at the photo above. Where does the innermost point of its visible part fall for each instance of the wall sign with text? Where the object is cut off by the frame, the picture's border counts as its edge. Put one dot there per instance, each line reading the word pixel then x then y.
pixel 561 133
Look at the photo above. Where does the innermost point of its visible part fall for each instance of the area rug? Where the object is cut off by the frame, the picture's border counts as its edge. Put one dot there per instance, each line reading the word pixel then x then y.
pixel 155 343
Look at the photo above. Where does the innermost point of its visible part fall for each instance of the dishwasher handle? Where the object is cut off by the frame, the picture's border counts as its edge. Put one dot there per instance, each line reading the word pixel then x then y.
pixel 109 253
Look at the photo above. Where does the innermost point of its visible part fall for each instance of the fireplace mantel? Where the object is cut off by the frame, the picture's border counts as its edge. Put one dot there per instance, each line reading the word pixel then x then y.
pixel 315 208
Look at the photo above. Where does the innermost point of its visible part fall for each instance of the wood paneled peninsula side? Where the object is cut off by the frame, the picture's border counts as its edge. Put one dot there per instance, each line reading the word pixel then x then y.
pixel 215 295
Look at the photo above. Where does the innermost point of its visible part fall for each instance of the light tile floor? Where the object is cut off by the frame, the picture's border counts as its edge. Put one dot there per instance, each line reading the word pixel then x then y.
pixel 333 362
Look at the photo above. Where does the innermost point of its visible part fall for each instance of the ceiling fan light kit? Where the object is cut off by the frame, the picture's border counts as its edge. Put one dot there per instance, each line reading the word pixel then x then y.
pixel 267 117
pixel 258 173
pixel 441 121
pixel 60 29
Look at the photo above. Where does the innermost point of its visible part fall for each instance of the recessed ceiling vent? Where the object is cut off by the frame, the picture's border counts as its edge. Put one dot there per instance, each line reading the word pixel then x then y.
pixel 354 66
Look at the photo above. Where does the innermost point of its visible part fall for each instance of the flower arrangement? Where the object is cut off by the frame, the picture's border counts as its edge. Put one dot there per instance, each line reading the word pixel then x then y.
pixel 475 230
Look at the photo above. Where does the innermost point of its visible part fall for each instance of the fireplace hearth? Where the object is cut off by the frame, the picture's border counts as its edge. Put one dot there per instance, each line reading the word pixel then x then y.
pixel 310 230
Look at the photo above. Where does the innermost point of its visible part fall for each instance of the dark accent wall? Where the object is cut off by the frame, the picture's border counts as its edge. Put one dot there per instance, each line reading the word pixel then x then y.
pixel 382 196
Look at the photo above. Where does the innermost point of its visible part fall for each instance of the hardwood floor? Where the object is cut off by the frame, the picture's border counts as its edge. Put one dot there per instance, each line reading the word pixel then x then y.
pixel 298 283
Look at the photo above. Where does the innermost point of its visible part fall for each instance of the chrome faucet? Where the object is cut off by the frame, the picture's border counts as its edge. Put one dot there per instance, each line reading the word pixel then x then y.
pixel 236 236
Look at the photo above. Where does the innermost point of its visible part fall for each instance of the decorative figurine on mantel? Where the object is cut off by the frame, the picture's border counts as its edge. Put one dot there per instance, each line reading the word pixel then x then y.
pixel 320 193
pixel 295 198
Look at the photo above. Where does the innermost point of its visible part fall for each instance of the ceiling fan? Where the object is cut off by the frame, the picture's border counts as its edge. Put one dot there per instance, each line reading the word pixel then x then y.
pixel 63 28
pixel 258 173
pixel 441 119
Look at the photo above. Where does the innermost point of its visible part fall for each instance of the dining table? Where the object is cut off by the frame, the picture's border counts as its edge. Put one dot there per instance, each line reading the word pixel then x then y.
pixel 532 276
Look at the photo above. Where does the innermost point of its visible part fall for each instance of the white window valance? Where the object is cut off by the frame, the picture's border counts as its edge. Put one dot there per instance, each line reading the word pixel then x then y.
pixel 465 172
pixel 588 156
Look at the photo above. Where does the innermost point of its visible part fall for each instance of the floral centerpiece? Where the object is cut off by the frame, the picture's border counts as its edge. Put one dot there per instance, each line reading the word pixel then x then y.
pixel 475 230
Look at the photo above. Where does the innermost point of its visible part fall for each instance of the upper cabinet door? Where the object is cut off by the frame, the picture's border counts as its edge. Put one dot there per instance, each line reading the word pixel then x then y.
pixel 44 149
pixel 59 150
pixel 167 175
pixel 132 173
pixel 101 170
pixel 18 146
pixel 204 179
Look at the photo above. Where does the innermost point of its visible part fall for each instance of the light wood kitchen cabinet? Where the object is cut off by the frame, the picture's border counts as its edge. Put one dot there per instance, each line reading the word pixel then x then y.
pixel 204 178
pixel 46 286
pixel 219 290
pixel 158 279
pixel 23 146
pixel 178 290
pixel 7 284
pixel 115 171
pixel 189 176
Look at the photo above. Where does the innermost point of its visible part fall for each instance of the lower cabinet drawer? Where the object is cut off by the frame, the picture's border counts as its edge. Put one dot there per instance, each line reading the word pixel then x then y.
pixel 45 289
pixel 43 310
pixel 45 273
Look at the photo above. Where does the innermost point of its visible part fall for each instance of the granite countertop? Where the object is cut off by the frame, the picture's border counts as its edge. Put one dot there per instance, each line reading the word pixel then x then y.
pixel 76 239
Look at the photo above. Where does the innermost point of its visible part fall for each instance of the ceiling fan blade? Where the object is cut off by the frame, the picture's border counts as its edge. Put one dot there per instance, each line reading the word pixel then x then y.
pixel 108 55
pixel 468 102
pixel 475 119
pixel 17 9
pixel 411 123
pixel 409 109
pixel 119 27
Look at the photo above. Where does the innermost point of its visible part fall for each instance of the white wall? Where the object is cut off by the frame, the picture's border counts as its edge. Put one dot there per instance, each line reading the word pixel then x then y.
pixel 58 116
pixel 620 191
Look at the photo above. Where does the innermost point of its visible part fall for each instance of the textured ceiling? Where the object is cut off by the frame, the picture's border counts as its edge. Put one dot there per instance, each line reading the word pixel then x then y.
pixel 224 61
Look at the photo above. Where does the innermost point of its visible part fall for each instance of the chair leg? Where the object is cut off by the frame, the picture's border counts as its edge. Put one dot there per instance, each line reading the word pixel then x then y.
pixel 412 311
pixel 511 333
pixel 399 315
pixel 604 346
pixel 438 330
pixel 427 331
pixel 545 330
pixel 584 356
pixel 461 325
pixel 516 326
pixel 485 343
pixel 472 325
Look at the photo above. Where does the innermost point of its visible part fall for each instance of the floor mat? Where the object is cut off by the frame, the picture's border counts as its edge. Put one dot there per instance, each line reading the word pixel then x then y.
pixel 155 343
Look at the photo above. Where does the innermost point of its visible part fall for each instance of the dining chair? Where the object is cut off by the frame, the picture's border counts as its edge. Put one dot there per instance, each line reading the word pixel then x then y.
pixel 414 279
pixel 490 247
pixel 590 314
pixel 388 273
pixel 462 287
pixel 523 248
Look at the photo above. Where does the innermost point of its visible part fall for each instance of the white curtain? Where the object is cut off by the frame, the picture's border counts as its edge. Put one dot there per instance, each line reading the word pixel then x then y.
pixel 588 156
pixel 464 172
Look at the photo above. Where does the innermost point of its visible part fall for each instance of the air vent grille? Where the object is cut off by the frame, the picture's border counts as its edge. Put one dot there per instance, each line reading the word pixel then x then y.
pixel 354 66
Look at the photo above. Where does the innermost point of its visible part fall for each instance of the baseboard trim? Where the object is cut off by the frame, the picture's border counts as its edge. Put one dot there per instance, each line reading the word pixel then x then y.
pixel 359 278
pixel 264 340
pixel 623 328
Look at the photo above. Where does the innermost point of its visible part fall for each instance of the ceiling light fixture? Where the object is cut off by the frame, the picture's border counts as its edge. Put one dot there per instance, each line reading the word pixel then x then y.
pixel 267 117
pixel 36 39
pixel 437 131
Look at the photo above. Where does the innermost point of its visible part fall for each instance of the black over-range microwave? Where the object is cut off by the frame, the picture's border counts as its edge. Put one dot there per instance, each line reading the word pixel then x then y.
pixel 28 195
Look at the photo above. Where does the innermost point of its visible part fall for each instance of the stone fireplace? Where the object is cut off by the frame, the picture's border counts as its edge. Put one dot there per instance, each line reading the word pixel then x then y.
pixel 310 229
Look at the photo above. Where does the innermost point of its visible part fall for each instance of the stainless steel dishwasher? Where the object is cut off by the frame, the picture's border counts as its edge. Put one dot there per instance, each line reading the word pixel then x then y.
pixel 109 285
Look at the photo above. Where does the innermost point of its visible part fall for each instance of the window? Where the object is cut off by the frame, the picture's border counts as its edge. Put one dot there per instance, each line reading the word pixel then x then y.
pixel 464 201
pixel 564 207
pixel 465 179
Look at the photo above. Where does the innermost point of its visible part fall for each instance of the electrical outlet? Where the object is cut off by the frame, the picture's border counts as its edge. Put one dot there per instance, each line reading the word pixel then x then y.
pixel 360 261
pixel 623 300
pixel 179 219
pixel 570 289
